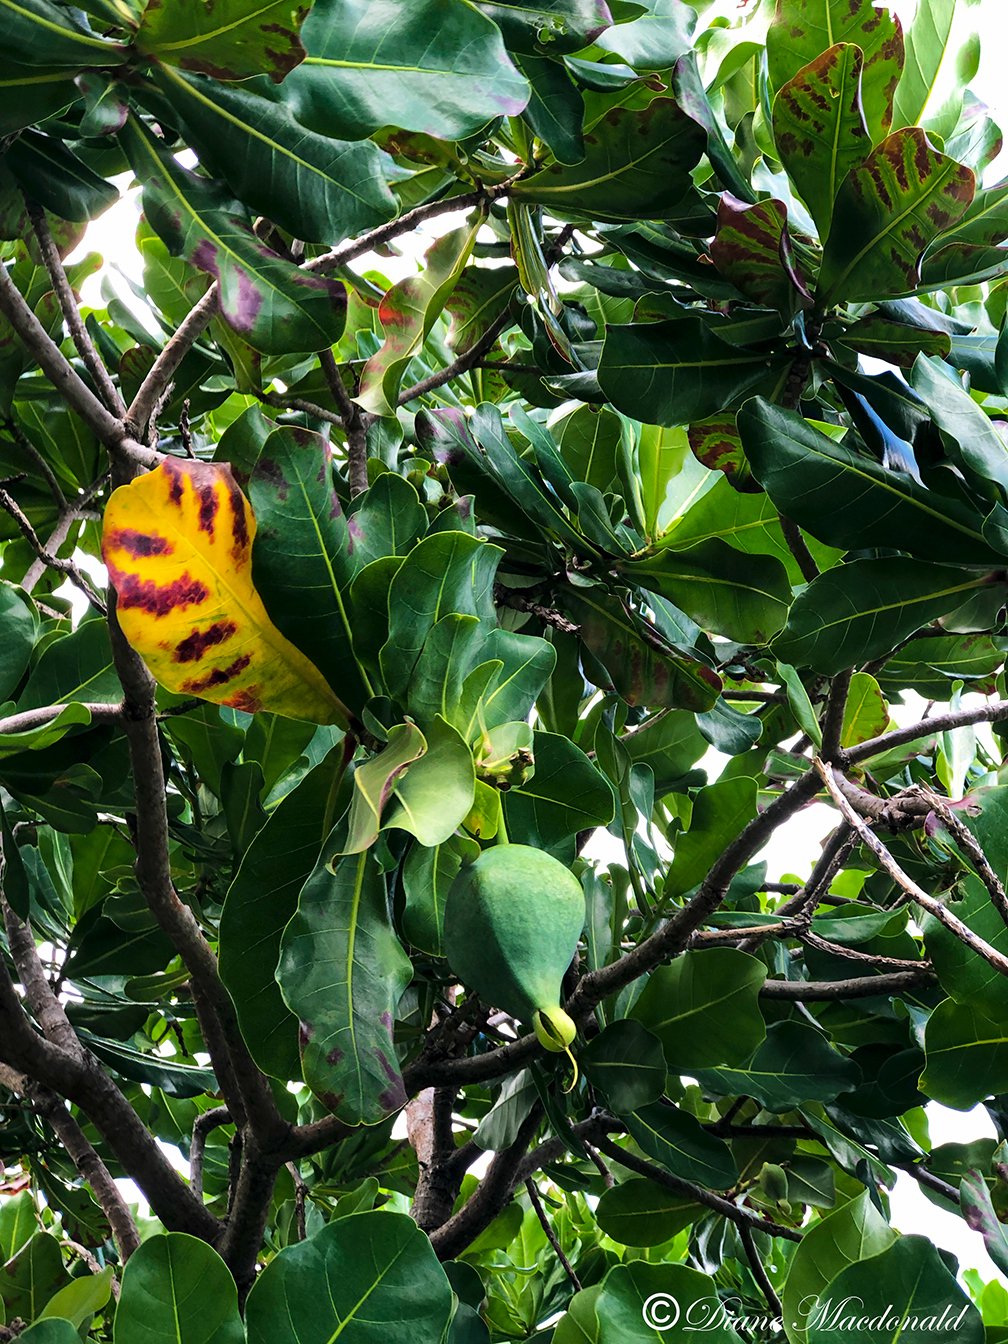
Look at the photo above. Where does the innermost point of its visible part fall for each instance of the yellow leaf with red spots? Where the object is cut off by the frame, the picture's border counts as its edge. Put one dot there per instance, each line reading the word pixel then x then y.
pixel 178 547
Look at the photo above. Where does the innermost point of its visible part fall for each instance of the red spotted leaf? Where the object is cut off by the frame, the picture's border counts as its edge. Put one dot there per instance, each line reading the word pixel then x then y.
pixel 228 39
pixel 178 547
pixel 819 127
pixel 716 443
pixel 890 209
pixel 752 250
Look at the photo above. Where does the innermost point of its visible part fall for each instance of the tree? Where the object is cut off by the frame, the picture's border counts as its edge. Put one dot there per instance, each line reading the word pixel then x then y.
pixel 682 436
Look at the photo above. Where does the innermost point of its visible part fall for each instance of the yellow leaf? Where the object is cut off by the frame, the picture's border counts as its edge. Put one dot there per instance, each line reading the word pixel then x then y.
pixel 178 547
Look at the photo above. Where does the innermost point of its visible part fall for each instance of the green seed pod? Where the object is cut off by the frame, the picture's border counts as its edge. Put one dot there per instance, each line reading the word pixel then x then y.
pixel 511 928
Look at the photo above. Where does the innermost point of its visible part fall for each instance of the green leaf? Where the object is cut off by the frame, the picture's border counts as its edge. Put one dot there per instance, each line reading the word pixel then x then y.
pixel 644 668
pixel 688 87
pixel 375 780
pixel 317 188
pixel 918 1299
pixel 20 626
pixel 819 128
pixel 31 94
pixel 625 1062
pixel 675 372
pixel 230 39
pixel 970 437
pixel 373 64
pixel 802 30
pixel 752 250
pixel 967 1055
pixel 301 558
pixel 52 1332
pixel 32 1276
pixel 720 811
pixel 40 33
pixel 363 1277
pixel 57 179
pixel 641 1213
pixel 17 1224
pixel 679 1142
pixel 847 499
pixel 799 702
pixel 704 1007
pixel 551 26
pixel 566 794
pixel 427 875
pixel 268 301
pixel 177 1290
pixel 637 164
pixel 260 901
pixel 555 108
pixel 854 1232
pixel 640 1301
pixel 81 1298
pixel 859 611
pixel 795 1064
pixel 866 713
pixel 435 793
pixel 743 597
pixel 927 51
pixel 889 209
pixel 656 39
pixel 447 573
pixel 342 971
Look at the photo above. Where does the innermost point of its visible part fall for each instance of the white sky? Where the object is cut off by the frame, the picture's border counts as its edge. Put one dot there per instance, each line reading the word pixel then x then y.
pixel 796 846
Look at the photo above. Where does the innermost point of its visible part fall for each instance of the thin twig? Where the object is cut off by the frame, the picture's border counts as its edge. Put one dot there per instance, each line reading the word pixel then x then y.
pixel 972 849
pixel 21 439
pixel 354 425
pixel 45 557
pixel 927 902
pixel 797 546
pixel 734 1212
pixel 861 987
pixel 759 1273
pixel 551 1236
pixel 833 719
pixel 107 390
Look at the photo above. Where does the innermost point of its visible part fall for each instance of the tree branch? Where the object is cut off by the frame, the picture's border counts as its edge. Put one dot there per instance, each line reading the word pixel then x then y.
pixel 250 1092
pixel 734 1212
pixel 75 392
pixel 354 425
pixel 972 849
pixel 551 1236
pixel 204 1125
pixel 107 390
pixel 990 712
pixel 151 391
pixel 45 559
pixel 38 718
pixel 861 987
pixel 927 902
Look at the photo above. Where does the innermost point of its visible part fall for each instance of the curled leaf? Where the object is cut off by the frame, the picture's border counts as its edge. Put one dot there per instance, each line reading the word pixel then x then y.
pixel 178 546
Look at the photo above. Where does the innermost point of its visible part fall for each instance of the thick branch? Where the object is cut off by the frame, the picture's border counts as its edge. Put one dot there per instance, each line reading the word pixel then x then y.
pixel 75 392
pixel 204 1125
pixel 84 1082
pixel 251 1092
pixel 92 1169
pixel 991 712
pixel 38 718
pixel 492 1195
pixel 354 425
pixel 861 987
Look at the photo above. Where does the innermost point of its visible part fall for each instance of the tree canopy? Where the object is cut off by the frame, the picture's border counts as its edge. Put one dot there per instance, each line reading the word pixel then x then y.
pixel 382 891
